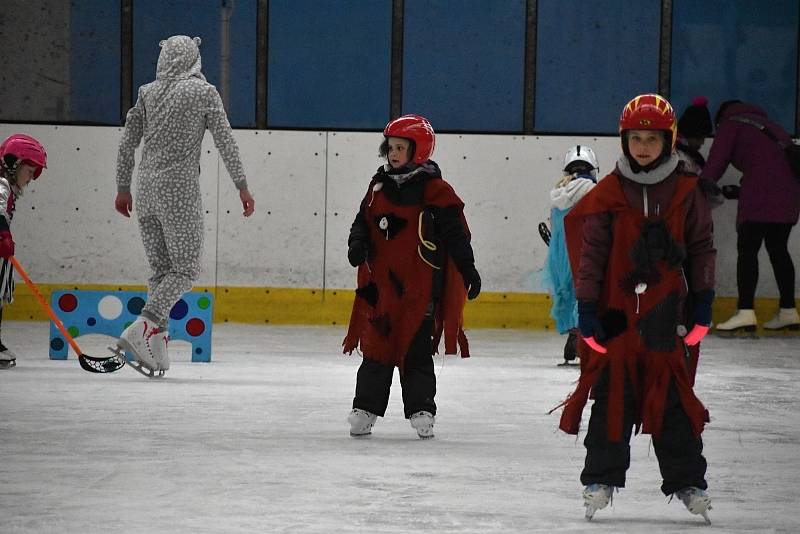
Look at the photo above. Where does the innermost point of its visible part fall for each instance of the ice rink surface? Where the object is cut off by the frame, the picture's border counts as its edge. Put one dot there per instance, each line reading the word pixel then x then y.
pixel 257 441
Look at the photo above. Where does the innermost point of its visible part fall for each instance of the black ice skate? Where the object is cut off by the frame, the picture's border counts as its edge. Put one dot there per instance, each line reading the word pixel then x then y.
pixel 7 358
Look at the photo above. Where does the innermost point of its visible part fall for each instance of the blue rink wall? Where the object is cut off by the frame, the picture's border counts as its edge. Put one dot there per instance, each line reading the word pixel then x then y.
pixel 287 263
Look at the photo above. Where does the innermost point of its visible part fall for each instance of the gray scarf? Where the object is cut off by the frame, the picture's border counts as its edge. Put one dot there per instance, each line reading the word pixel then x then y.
pixel 648 178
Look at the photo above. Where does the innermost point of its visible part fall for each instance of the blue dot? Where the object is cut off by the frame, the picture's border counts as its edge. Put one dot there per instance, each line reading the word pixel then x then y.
pixel 179 311
pixel 56 343
pixel 91 321
pixel 198 350
pixel 135 305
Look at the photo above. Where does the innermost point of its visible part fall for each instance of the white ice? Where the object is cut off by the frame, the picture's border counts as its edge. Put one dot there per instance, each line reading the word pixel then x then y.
pixel 257 441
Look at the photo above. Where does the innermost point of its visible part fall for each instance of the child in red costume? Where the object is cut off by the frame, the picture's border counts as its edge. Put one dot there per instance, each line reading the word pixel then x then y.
pixel 416 267
pixel 641 249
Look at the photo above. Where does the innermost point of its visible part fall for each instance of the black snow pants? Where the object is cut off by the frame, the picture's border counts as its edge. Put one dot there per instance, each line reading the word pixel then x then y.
pixel 418 379
pixel 679 452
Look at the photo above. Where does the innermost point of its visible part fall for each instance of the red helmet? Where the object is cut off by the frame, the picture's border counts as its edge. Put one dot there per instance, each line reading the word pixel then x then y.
pixel 26 149
pixel 416 128
pixel 649 112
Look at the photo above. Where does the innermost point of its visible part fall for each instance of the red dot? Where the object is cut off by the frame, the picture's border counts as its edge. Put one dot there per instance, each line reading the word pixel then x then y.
pixel 67 302
pixel 195 327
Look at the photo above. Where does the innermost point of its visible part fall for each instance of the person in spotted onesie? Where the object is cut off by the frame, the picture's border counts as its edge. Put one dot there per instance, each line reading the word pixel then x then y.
pixel 641 250
pixel 171 114
pixel 22 159
pixel 411 244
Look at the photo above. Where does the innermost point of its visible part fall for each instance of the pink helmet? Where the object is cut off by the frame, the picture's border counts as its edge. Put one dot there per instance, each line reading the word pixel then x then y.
pixel 26 149
pixel 416 128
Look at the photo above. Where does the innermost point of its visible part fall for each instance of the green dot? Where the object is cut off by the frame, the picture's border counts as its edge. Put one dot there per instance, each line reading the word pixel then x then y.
pixel 73 331
pixel 203 303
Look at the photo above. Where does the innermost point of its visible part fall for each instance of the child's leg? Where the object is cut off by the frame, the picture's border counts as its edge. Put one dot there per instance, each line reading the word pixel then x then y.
pixel 419 379
pixel 182 237
pixel 606 461
pixel 373 382
pixel 679 452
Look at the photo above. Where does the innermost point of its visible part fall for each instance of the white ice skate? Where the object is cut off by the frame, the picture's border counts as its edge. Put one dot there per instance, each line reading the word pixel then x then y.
pixel 785 319
pixel 743 321
pixel 596 497
pixel 7 358
pixel 696 501
pixel 147 345
pixel 361 422
pixel 422 422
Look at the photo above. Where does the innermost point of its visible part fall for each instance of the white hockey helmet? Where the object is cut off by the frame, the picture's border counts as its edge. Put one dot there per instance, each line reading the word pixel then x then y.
pixel 580 153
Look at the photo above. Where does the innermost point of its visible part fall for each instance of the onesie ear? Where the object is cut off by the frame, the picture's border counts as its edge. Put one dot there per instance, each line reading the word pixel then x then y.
pixel 197 41
pixel 161 43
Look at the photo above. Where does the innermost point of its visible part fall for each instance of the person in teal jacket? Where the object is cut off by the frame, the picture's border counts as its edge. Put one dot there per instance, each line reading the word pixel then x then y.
pixel 580 175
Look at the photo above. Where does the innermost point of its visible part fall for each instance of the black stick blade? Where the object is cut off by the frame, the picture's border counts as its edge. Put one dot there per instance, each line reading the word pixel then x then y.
pixel 101 365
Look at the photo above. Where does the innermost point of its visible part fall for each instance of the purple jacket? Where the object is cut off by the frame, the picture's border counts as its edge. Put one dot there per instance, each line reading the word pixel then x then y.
pixel 769 193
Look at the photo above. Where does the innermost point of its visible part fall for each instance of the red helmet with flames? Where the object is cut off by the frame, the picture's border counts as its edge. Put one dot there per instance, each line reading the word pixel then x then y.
pixel 650 112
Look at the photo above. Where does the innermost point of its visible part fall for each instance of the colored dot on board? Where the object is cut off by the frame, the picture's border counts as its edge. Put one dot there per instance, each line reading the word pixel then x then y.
pixel 68 302
pixel 73 331
pixel 203 303
pixel 195 327
pixel 56 343
pixel 91 321
pixel 179 310
pixel 109 307
pixel 135 305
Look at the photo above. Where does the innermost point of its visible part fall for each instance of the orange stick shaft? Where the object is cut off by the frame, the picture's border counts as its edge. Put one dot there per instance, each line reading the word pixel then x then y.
pixel 45 306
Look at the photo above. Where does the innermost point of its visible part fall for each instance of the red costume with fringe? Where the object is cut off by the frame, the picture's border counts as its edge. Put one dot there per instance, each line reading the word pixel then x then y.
pixel 631 350
pixel 395 285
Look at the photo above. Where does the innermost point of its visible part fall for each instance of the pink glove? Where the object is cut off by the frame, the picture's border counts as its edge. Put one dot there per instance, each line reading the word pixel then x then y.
pixel 597 346
pixel 698 333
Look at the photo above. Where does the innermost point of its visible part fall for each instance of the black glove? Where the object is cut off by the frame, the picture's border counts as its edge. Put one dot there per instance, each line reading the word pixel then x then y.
pixel 472 281
pixel 588 323
pixel 711 191
pixel 701 307
pixel 357 252
pixel 731 192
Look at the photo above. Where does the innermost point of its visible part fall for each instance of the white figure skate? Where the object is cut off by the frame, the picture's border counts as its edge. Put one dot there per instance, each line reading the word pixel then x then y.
pixel 785 319
pixel 596 497
pixel 422 422
pixel 743 322
pixel 696 501
pixel 7 358
pixel 361 422
pixel 148 346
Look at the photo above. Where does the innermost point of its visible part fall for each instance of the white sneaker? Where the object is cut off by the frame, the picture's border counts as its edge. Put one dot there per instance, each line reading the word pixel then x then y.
pixel 743 320
pixel 786 318
pixel 7 358
pixel 361 422
pixel 596 497
pixel 696 501
pixel 147 345
pixel 422 422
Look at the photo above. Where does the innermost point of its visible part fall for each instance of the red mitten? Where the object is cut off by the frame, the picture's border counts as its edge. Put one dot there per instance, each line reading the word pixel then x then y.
pixel 6 244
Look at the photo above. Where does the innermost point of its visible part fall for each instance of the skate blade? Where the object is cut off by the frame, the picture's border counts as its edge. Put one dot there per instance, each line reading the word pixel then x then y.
pixel 6 364
pixel 360 436
pixel 705 516
pixel 743 332
pixel 590 511
pixel 426 437
pixel 568 364
pixel 135 364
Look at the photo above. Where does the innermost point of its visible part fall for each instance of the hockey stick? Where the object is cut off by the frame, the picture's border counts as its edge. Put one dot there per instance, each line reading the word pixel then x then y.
pixel 88 363
pixel 544 233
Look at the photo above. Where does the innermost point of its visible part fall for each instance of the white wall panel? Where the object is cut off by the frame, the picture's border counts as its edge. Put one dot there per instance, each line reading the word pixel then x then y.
pixel 282 243
pixel 307 187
